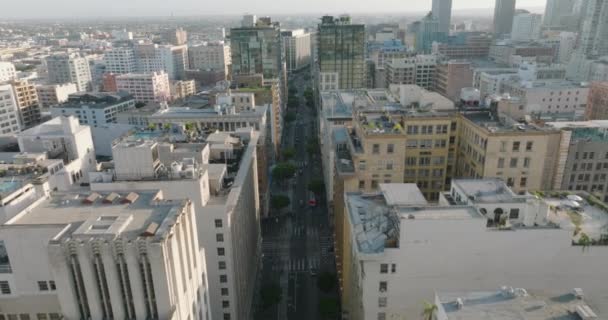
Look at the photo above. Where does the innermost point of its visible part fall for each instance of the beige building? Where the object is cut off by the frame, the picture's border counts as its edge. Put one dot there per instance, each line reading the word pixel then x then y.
pixel 452 76
pixel 27 103
pixel 182 88
pixel 597 103
pixel 54 94
pixel 211 56
pixel 145 87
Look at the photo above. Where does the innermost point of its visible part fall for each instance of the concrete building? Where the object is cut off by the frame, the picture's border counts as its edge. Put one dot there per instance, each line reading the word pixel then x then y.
pixel 182 89
pixel 65 139
pixel 505 53
pixel 9 122
pixel 122 35
pixel 145 87
pixel 69 68
pixel 465 45
pixel 257 49
pixel 27 102
pixel 451 76
pixel 341 54
pixel 510 303
pixel 427 33
pixel 419 70
pixel 7 71
pixel 556 11
pixel 296 44
pixel 442 11
pixel 227 214
pixel 92 255
pixel 545 99
pixel 504 11
pixel 597 103
pixel 567 43
pixel 387 271
pixel 526 26
pixel 582 160
pixel 120 60
pixel 156 58
pixel 54 94
pixel 594 34
pixel 176 37
pixel 210 56
pixel 95 108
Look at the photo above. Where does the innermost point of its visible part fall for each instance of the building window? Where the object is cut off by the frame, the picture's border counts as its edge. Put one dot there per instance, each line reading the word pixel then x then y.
pixel 374 184
pixel 224 291
pixel 393 268
pixel 382 302
pixel 223 278
pixel 384 268
pixel 221 265
pixel 410 161
pixel 411 144
pixel 513 163
pixel 52 285
pixel 510 182
pixel 381 315
pixel 526 162
pixel 218 223
pixel 5 263
pixel 390 148
pixel 43 286
pixel 514 214
pixel 515 146
pixel 361 184
pixel 501 162
pixel 41 316
pixel 503 146
pixel 389 165
pixel 221 251
pixel 226 316
pixel 529 145
pixel 383 286
pixel 375 148
pixel 362 165
pixel 225 304
pixel 5 288
pixel 523 181
pixel 219 237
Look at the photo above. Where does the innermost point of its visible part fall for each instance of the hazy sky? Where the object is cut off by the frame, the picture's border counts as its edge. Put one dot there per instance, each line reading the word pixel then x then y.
pixel 118 8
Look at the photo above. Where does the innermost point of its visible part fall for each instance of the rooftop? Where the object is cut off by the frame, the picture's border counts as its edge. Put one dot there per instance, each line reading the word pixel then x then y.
pixel 487 190
pixel 97 100
pixel 516 305
pixel 108 215
pixel 486 119
pixel 590 131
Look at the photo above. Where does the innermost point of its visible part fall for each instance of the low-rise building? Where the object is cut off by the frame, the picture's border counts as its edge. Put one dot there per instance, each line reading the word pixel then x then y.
pixel 145 87
pixel 182 88
pixel 419 70
pixel 54 94
pixel 95 108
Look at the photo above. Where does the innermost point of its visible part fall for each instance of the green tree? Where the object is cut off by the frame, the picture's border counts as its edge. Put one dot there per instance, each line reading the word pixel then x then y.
pixel 293 102
pixel 189 126
pixel 279 202
pixel 283 170
pixel 289 153
pixel 270 295
pixel 317 186
pixel 312 146
pixel 329 308
pixel 429 310
pixel 327 281
pixel 290 117
pixel 140 104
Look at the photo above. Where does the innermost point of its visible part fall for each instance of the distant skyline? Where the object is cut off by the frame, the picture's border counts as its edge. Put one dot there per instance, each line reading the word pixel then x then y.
pixel 126 8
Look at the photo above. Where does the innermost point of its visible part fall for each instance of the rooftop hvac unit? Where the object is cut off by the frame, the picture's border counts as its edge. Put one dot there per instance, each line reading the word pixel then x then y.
pixel 459 303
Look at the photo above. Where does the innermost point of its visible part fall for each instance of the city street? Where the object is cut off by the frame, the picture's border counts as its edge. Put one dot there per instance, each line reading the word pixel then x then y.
pixel 297 243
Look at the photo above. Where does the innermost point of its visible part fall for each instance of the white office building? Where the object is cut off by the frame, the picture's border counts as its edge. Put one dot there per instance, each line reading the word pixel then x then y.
pixel 296 44
pixel 399 250
pixel 72 68
pixel 419 70
pixel 95 108
pixel 120 60
pixel 219 175
pixel 526 27
pixel 54 94
pixel 156 58
pixel 210 56
pixel 7 71
pixel 145 87
pixel 9 120
pixel 127 255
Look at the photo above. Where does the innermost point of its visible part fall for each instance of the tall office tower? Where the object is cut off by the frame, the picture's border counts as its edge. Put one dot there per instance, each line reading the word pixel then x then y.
pixel 442 11
pixel 341 53
pixel 120 60
pixel 504 10
pixel 73 68
pixel 296 44
pixel 257 49
pixel 427 33
pixel 556 10
pixel 594 35
pixel 168 58
pixel 526 26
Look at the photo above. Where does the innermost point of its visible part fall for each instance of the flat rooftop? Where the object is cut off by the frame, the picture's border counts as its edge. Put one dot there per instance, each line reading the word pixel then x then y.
pixel 484 118
pixel 500 306
pixel 109 215
pixel 96 100
pixel 487 190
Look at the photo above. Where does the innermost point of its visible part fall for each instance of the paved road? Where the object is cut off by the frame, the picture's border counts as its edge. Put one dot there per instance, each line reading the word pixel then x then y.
pixel 296 247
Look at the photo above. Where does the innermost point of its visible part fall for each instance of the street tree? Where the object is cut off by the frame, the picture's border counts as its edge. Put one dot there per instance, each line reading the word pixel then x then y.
pixel 317 186
pixel 329 308
pixel 279 202
pixel 290 117
pixel 270 295
pixel 289 153
pixel 327 281
pixel 283 171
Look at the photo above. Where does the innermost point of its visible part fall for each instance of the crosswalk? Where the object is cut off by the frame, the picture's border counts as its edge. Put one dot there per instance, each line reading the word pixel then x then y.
pixel 297 265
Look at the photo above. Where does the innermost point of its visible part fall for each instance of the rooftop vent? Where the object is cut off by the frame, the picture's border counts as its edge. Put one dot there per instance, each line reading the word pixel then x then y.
pixel 130 198
pixel 111 198
pixel 90 199
pixel 150 230
pixel 459 303
pixel 578 293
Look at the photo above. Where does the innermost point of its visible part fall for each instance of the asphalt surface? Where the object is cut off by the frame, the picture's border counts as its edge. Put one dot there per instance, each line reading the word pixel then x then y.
pixel 297 242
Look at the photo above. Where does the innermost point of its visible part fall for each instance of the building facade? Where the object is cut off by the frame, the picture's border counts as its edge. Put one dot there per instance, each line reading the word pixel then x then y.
pixel 27 102
pixel 120 60
pixel 95 109
pixel 145 87
pixel 156 58
pixel 54 94
pixel 210 56
pixel 296 44
pixel 9 122
pixel 257 49
pixel 597 103
pixel 69 68
pixel 526 27
pixel 504 11
pixel 452 76
pixel 7 71
pixel 442 11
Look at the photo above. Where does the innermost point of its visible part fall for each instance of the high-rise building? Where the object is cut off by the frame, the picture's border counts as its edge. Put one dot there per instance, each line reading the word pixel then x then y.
pixel 210 56
pixel 168 58
pixel 145 87
pixel 427 33
pixel 9 122
pixel 526 26
pixel 597 103
pixel 7 71
pixel 54 94
pixel 257 49
pixel 120 60
pixel 594 35
pixel 72 68
pixel 296 44
pixel 556 11
pixel 442 11
pixel 504 10
pixel 341 53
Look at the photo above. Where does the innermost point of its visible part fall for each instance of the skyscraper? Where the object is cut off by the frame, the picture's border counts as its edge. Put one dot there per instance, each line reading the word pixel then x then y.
pixel 442 11
pixel 427 33
pixel 526 26
pixel 504 10
pixel 341 53
pixel 256 49
pixel 594 35
pixel 557 10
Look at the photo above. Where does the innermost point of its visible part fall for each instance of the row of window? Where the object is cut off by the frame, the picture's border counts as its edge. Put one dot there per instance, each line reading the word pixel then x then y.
pixel 26 316
pixel 513 162
pixel 430 129
pixel 588 155
pixel 589 166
